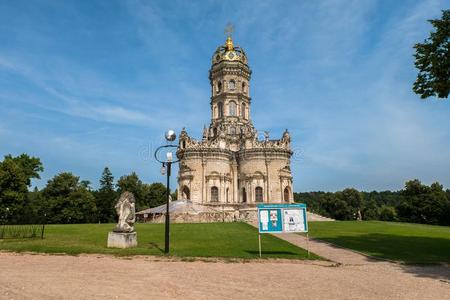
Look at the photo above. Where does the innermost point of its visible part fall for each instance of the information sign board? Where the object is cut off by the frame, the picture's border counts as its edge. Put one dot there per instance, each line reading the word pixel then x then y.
pixel 275 218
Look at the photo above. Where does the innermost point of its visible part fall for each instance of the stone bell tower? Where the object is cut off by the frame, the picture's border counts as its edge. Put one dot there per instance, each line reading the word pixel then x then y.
pixel 230 94
pixel 230 165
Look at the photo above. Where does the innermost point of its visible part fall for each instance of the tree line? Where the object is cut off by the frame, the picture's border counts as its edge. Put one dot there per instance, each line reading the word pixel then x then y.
pixel 415 203
pixel 66 198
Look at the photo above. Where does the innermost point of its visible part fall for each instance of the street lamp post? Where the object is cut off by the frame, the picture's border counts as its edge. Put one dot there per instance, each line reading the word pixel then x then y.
pixel 166 168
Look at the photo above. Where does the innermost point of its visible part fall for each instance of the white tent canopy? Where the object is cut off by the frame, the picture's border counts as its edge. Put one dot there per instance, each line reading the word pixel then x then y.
pixel 184 207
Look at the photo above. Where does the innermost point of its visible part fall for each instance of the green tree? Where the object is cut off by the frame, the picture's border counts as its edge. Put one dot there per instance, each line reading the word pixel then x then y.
pixel 156 194
pixel 336 206
pixel 174 194
pixel 106 197
pixel 433 60
pixel 446 213
pixel 311 199
pixel 423 204
pixel 133 184
pixel 35 212
pixel 86 184
pixel 67 200
pixel 388 213
pixel 354 200
pixel 370 210
pixel 15 178
pixel 146 195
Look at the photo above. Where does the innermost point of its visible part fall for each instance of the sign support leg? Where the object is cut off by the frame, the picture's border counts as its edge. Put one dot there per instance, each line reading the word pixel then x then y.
pixel 307 242
pixel 259 238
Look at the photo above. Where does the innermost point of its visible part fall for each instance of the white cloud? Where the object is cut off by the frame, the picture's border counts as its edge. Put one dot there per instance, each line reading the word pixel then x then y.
pixel 337 74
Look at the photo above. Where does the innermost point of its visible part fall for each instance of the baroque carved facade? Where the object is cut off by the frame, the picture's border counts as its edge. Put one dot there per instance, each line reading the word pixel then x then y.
pixel 231 164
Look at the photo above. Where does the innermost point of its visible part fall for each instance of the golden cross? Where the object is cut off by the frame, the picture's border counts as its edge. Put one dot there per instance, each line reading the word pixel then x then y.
pixel 229 29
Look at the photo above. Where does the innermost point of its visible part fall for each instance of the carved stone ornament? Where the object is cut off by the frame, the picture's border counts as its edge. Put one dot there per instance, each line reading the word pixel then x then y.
pixel 125 208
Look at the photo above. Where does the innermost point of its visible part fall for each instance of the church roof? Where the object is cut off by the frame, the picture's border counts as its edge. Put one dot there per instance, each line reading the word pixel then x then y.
pixel 229 52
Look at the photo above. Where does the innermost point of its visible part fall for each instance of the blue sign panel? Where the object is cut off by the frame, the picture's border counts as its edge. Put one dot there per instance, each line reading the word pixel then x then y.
pixel 270 220
pixel 273 218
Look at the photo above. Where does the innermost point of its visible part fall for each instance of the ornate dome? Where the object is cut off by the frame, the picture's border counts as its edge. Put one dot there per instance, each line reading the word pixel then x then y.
pixel 229 52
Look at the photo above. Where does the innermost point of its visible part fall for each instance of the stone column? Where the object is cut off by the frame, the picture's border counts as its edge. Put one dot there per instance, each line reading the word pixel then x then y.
pixel 235 183
pixel 206 190
pixel 203 181
pixel 222 189
pixel 251 192
pixel 267 183
pixel 292 191
pixel 282 190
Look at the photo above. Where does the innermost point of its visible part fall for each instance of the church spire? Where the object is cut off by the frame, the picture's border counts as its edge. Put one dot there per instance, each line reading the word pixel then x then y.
pixel 229 42
pixel 230 93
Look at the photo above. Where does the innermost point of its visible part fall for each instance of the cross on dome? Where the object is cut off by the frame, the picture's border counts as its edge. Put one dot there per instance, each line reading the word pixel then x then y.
pixel 229 29
pixel 229 43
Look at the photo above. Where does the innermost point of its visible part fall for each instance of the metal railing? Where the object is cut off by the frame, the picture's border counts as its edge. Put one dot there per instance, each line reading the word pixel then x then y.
pixel 10 231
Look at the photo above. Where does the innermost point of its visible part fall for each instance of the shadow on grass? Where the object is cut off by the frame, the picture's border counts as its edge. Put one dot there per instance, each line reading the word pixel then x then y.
pixel 155 245
pixel 422 256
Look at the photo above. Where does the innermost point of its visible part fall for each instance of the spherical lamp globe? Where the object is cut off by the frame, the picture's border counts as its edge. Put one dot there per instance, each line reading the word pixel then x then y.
pixel 170 135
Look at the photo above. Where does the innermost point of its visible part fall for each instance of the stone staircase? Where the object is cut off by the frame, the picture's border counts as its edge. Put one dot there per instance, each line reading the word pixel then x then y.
pixel 316 217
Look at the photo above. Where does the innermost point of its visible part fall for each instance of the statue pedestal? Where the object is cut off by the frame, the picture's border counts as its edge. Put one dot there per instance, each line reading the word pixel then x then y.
pixel 122 239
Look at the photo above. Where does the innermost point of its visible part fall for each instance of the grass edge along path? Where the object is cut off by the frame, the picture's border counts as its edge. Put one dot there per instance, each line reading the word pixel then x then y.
pixel 223 240
pixel 401 242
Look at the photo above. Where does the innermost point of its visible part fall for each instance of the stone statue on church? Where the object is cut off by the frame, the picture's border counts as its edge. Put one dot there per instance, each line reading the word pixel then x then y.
pixel 125 208
pixel 124 235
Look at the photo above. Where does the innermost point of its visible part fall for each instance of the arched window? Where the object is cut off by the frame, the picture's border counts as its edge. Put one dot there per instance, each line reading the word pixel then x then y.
pixel 232 85
pixel 244 88
pixel 232 108
pixel 258 194
pixel 287 194
pixel 185 193
pixel 183 144
pixel 219 87
pixel 214 194
pixel 226 195
pixel 232 130
pixel 220 110
pixel 244 196
pixel 243 110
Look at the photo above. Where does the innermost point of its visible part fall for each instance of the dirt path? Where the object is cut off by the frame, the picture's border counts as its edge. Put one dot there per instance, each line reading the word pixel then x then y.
pixel 325 250
pixel 25 276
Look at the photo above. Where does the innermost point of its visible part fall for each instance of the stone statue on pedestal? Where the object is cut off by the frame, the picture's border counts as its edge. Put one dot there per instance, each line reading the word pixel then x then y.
pixel 123 235
pixel 125 209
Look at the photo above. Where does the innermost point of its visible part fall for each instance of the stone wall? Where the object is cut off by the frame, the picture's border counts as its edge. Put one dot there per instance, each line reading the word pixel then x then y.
pixel 244 215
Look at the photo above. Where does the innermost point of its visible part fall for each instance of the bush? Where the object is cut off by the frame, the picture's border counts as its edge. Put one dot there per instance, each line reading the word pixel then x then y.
pixel 388 213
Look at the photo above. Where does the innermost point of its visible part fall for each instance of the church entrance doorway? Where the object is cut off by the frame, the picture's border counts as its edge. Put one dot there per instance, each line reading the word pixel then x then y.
pixel 287 194
pixel 185 193
pixel 258 194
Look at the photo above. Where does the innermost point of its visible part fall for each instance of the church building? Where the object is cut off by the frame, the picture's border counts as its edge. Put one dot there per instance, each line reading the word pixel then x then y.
pixel 233 163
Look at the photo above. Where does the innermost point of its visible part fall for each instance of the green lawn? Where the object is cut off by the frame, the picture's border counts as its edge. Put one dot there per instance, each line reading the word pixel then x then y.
pixel 409 243
pixel 232 240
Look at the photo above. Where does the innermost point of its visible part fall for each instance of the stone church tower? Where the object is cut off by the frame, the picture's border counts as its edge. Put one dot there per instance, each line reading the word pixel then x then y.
pixel 231 165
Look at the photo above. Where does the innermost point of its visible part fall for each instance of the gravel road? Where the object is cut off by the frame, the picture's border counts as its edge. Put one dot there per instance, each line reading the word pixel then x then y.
pixel 33 276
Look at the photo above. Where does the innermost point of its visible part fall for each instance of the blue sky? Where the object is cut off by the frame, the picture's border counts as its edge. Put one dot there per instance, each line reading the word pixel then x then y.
pixel 89 84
